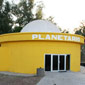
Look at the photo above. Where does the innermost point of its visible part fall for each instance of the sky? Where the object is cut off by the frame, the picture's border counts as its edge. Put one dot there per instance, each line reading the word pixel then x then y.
pixel 68 14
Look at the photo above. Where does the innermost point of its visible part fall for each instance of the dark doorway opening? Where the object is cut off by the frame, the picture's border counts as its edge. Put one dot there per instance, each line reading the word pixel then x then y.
pixel 68 62
pixel 47 62
pixel 62 61
pixel 55 62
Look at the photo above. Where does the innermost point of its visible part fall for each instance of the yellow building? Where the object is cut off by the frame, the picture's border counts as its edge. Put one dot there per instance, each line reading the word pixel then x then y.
pixel 53 51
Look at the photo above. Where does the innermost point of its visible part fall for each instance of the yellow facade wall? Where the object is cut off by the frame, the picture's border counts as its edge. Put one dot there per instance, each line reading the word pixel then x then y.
pixel 19 53
pixel 26 57
pixel 29 36
pixel 4 59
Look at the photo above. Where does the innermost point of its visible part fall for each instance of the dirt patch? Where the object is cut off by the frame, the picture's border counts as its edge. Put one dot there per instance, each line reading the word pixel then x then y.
pixel 16 80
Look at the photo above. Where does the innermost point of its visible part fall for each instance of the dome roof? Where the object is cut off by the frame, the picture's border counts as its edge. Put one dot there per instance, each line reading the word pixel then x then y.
pixel 40 26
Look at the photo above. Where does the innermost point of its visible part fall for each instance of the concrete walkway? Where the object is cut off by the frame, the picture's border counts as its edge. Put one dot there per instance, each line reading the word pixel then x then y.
pixel 63 78
pixel 16 74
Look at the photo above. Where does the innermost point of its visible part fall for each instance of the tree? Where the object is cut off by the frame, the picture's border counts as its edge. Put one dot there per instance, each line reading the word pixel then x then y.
pixel 17 29
pixel 39 13
pixel 1 1
pixel 81 31
pixel 24 13
pixel 51 19
pixel 78 32
pixel 65 31
pixel 5 19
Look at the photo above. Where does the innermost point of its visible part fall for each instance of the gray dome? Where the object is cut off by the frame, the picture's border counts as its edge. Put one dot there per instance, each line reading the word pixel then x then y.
pixel 40 26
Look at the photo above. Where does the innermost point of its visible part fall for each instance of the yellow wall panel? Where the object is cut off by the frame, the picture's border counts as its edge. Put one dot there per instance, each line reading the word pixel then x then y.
pixel 4 59
pixel 26 57
pixel 19 53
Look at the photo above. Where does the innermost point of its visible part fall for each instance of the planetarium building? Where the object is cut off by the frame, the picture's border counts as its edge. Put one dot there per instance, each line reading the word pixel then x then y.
pixel 40 44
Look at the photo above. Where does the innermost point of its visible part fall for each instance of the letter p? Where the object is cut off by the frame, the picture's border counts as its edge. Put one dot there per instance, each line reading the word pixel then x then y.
pixel 34 36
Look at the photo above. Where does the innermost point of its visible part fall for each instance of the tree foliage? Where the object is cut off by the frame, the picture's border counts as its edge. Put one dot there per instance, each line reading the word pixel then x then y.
pixel 65 31
pixel 1 2
pixel 6 21
pixel 51 19
pixel 81 31
pixel 23 12
pixel 39 13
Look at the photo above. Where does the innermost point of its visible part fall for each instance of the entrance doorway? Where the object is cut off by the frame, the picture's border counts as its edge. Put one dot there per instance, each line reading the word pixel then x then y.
pixel 57 62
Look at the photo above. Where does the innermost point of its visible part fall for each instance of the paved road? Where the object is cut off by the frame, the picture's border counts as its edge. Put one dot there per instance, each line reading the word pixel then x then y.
pixel 63 78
